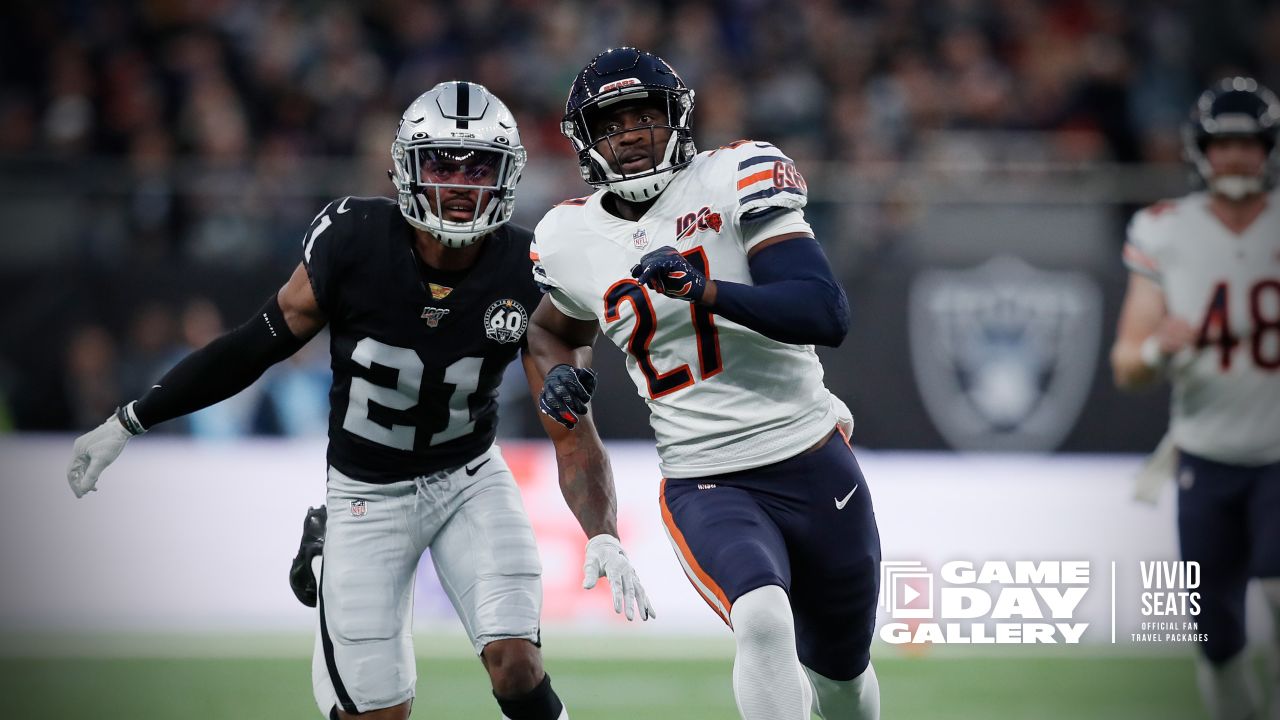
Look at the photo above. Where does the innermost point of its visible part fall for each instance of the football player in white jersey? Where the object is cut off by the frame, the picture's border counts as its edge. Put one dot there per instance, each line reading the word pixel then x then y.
pixel 701 267
pixel 1203 310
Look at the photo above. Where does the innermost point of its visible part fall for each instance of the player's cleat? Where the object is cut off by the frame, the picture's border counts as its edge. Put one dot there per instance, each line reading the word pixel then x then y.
pixel 301 578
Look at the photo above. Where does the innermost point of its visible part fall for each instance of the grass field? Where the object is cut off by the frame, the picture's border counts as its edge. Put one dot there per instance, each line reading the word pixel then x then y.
pixel 450 685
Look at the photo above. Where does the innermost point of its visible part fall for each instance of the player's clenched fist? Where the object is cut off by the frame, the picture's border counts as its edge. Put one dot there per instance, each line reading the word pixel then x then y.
pixel 666 271
pixel 566 392
pixel 93 452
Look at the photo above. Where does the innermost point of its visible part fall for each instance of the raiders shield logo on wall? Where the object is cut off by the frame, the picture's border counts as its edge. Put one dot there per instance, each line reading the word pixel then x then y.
pixel 1004 353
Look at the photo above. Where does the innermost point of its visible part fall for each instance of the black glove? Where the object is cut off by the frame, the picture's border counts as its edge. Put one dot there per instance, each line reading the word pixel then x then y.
pixel 301 579
pixel 566 392
pixel 670 273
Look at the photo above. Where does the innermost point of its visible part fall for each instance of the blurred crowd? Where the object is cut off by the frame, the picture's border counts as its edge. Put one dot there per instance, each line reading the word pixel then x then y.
pixel 211 131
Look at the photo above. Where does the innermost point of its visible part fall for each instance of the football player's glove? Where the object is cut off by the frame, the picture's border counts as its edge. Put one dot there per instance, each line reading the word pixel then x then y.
pixel 302 579
pixel 606 559
pixel 98 448
pixel 666 271
pixel 566 392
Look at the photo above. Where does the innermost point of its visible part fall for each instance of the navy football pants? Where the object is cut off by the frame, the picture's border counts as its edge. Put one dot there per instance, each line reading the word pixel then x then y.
pixel 1229 522
pixel 805 524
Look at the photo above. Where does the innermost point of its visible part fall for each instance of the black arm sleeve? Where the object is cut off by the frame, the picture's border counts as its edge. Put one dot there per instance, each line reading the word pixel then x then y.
pixel 795 299
pixel 220 369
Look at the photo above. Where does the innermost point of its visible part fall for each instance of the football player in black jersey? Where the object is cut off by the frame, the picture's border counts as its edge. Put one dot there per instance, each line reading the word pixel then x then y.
pixel 427 300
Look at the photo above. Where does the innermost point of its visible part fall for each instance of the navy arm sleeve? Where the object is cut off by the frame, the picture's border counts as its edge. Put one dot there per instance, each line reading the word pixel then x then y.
pixel 220 369
pixel 795 299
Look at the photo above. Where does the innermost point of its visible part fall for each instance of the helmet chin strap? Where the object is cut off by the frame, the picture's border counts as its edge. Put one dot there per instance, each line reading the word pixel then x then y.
pixel 646 187
pixel 457 234
pixel 1236 187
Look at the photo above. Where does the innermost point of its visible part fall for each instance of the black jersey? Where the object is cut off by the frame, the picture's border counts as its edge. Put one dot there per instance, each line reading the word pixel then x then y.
pixel 417 358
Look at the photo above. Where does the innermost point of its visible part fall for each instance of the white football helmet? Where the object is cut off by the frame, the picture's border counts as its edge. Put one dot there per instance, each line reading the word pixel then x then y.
pixel 457 136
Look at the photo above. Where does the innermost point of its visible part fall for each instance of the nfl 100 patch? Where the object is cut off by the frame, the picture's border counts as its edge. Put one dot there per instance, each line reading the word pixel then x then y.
pixel 1004 353
pixel 433 315
pixel 505 321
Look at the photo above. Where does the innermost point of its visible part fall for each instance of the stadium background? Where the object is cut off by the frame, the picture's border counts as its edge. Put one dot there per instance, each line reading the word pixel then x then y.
pixel 971 164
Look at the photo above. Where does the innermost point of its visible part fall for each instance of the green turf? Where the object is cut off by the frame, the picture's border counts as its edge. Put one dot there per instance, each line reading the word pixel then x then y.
pixel 994 688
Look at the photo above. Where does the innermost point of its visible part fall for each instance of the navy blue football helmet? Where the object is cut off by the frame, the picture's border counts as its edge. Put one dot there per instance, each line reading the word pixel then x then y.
pixel 1235 107
pixel 622 75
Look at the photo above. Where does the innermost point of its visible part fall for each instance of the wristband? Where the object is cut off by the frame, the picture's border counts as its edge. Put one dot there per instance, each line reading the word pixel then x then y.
pixel 129 420
pixel 1152 356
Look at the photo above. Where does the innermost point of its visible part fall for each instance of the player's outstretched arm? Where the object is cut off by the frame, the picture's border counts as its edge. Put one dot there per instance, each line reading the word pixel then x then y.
pixel 207 376
pixel 586 479
pixel 795 297
pixel 559 348
pixel 1147 338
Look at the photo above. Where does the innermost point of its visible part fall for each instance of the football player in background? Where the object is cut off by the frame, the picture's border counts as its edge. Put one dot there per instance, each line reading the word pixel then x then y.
pixel 1203 310
pixel 427 303
pixel 702 268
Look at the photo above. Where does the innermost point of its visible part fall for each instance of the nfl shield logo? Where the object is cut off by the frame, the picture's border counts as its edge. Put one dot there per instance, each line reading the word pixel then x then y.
pixel 1004 353
pixel 639 239
pixel 359 508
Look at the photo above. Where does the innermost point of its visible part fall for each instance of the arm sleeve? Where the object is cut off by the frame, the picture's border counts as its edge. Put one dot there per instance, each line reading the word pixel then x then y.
pixel 220 369
pixel 795 299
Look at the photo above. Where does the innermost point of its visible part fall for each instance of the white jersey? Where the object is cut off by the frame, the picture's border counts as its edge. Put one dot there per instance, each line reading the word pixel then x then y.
pixel 1226 395
pixel 721 397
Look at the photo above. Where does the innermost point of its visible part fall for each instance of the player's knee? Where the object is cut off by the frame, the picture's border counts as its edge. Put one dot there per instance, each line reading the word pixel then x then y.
pixel 514 665
pixel 1271 591
pixel 762 618
pixel 1221 647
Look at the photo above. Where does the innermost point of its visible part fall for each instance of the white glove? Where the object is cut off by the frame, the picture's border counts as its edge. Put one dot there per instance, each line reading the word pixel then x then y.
pixel 1158 470
pixel 606 559
pixel 93 452
pixel 844 418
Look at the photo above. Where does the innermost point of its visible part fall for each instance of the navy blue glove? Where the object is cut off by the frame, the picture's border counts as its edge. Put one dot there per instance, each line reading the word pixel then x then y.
pixel 666 271
pixel 565 394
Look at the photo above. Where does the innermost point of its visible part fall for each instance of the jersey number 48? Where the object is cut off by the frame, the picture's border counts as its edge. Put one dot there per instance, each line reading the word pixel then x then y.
pixel 1264 312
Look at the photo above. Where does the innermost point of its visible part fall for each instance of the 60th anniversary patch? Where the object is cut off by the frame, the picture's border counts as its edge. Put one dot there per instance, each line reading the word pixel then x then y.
pixel 505 321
